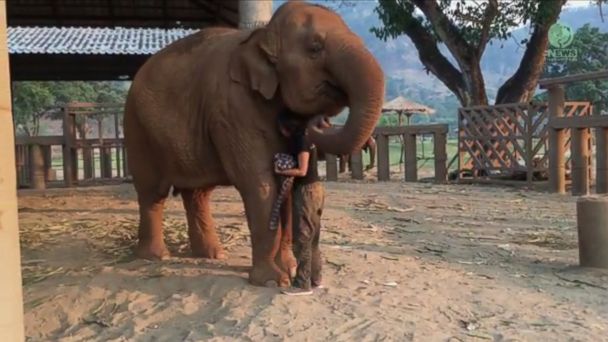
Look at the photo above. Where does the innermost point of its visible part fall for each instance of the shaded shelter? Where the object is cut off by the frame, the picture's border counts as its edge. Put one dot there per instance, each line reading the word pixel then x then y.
pixel 403 106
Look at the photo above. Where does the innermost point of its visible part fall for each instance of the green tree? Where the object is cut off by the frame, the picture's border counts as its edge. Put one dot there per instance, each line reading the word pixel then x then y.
pixel 32 101
pixel 466 28
pixel 592 55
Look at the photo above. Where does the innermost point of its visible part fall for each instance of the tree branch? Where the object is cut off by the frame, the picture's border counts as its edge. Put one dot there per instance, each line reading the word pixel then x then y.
pixel 520 87
pixel 445 29
pixel 434 60
pixel 490 13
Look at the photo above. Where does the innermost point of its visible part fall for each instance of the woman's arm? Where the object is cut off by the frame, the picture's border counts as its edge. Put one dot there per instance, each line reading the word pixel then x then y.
pixel 302 168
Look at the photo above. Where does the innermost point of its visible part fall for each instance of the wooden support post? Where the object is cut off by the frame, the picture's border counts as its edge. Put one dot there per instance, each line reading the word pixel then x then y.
pixel 356 164
pixel 106 162
pixel 592 225
pixel 331 169
pixel 579 150
pixel 125 165
pixel 441 157
pixel 411 158
pixel 529 144
pixel 69 157
pixel 87 155
pixel 87 161
pixel 384 166
pixel 20 164
pixel 557 160
pixel 253 14
pixel 118 150
pixel 11 291
pixel 49 175
pixel 37 169
pixel 601 164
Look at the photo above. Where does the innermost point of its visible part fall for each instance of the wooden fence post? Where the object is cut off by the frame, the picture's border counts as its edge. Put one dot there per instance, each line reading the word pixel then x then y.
pixel 441 156
pixel 356 164
pixel 601 164
pixel 87 155
pixel 106 162
pixel 557 162
pixel 384 166
pixel 529 143
pixel 580 161
pixel 331 169
pixel 411 158
pixel 69 163
pixel 125 166
pixel 48 163
pixel 37 169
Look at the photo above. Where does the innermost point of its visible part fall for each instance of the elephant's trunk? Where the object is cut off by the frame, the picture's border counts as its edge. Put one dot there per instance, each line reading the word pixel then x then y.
pixel 358 74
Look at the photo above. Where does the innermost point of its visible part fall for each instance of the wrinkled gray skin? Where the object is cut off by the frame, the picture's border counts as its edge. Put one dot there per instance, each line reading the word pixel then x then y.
pixel 202 113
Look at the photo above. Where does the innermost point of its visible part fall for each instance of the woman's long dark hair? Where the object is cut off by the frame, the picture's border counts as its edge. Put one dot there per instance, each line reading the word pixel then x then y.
pixel 290 122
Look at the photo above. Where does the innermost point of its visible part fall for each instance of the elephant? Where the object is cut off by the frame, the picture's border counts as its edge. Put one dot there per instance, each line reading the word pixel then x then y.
pixel 201 113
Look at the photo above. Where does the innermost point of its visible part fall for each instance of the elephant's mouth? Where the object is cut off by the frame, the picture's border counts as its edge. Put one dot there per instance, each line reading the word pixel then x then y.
pixel 332 92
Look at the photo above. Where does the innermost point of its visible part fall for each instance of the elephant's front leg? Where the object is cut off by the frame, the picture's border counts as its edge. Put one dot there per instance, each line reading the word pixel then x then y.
pixel 258 197
pixel 204 241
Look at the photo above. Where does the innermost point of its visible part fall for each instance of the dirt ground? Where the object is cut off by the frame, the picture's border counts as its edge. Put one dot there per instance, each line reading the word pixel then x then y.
pixel 403 262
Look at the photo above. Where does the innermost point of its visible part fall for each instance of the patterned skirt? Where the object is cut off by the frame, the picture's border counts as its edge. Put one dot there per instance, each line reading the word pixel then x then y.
pixel 282 161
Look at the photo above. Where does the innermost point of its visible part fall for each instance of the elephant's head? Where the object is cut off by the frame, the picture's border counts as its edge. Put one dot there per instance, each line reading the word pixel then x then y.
pixel 309 59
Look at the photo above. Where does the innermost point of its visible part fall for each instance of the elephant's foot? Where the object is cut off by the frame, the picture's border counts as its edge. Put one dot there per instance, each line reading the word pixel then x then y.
pixel 207 249
pixel 152 250
pixel 269 275
pixel 287 261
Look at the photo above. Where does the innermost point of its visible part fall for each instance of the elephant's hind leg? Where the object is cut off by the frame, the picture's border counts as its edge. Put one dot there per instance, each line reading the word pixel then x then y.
pixel 151 244
pixel 204 241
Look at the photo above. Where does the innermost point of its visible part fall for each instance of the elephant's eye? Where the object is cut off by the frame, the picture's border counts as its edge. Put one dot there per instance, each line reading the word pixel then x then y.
pixel 315 48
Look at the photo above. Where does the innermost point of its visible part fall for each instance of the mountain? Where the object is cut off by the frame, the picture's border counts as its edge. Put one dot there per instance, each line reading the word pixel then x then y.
pixel 406 75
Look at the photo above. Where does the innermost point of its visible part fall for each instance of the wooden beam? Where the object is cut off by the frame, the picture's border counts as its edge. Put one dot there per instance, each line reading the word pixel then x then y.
pixel 593 121
pixel 590 76
pixel 11 293
pixel 415 129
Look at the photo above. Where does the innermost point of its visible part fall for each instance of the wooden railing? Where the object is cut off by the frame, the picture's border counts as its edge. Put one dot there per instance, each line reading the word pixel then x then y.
pixel 409 134
pixel 508 141
pixel 580 128
pixel 35 156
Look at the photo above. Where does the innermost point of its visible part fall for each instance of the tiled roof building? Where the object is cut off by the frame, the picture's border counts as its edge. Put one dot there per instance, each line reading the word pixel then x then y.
pixel 91 40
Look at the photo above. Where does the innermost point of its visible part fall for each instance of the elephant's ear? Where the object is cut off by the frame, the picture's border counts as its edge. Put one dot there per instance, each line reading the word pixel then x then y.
pixel 253 63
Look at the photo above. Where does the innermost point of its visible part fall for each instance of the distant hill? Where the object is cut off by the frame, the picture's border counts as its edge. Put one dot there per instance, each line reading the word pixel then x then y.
pixel 406 76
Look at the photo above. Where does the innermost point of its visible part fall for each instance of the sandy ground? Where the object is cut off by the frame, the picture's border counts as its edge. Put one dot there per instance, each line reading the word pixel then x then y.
pixel 403 262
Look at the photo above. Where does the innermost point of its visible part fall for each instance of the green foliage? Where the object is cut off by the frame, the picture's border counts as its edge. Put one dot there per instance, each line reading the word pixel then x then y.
pixel 592 55
pixel 467 17
pixel 33 101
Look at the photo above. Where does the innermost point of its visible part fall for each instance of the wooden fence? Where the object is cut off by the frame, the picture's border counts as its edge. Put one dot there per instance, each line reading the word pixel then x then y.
pixel 580 150
pixel 508 141
pixel 35 155
pixel 409 134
